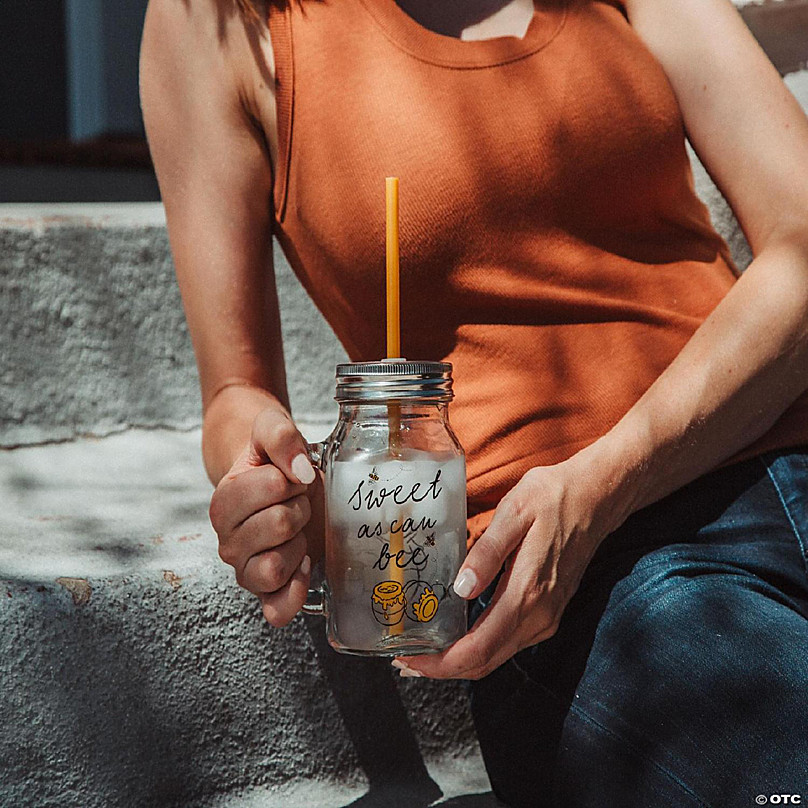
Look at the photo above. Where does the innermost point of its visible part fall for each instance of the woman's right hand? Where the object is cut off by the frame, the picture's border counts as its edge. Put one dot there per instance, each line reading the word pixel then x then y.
pixel 259 510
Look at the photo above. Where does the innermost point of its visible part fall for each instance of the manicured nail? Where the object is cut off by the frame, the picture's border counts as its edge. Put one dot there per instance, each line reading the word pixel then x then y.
pixel 302 469
pixel 305 565
pixel 409 672
pixel 404 669
pixel 465 582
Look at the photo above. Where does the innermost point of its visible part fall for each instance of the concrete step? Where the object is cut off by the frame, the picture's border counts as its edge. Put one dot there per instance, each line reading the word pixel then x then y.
pixel 136 673
pixel 462 781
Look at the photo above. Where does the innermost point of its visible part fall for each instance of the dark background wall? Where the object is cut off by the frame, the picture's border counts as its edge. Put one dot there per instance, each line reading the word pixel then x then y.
pixel 33 69
pixel 68 69
pixel 70 122
pixel 102 41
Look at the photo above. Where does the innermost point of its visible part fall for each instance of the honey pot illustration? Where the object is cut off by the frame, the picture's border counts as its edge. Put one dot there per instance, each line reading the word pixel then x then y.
pixel 388 603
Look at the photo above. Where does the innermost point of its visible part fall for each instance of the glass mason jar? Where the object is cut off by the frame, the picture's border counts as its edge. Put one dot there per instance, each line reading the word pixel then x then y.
pixel 395 494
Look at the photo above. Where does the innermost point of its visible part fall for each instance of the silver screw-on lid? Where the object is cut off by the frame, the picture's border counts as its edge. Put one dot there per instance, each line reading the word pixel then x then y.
pixel 394 380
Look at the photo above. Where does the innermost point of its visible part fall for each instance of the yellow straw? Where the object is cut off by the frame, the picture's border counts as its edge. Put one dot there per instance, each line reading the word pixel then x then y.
pixel 393 305
pixel 393 352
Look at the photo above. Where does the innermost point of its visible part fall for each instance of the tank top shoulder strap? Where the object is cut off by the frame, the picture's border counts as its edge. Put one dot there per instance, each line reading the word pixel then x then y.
pixel 280 32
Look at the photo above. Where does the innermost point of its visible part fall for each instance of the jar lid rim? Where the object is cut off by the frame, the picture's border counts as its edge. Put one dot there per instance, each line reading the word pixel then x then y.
pixel 393 367
pixel 394 380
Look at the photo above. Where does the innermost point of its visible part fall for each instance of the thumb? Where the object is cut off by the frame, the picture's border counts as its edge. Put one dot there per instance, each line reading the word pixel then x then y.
pixel 486 557
pixel 276 439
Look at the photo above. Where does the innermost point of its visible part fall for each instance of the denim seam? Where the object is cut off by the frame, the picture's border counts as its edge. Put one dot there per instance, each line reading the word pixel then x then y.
pixel 648 610
pixel 581 713
pixel 561 702
pixel 584 715
pixel 800 539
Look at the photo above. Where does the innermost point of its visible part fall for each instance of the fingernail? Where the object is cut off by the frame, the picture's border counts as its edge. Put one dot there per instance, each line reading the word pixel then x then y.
pixel 305 565
pixel 302 469
pixel 409 672
pixel 397 663
pixel 465 582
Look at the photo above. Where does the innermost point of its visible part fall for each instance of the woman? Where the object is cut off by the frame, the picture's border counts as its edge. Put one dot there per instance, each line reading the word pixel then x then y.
pixel 631 407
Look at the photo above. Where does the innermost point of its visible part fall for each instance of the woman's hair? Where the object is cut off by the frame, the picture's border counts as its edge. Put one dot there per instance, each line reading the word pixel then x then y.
pixel 248 9
pixel 253 10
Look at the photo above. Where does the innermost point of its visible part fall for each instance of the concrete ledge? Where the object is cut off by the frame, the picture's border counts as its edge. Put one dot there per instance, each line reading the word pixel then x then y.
pixel 93 337
pixel 136 672
pixel 40 217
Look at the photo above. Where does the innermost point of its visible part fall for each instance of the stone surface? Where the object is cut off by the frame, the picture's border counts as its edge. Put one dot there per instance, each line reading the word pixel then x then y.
pixel 461 780
pixel 93 337
pixel 136 673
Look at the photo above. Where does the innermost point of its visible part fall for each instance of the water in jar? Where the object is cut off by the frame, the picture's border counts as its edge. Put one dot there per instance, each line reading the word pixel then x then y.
pixel 396 539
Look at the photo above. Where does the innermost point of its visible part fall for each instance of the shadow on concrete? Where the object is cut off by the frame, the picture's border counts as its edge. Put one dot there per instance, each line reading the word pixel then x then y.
pixel 86 676
pixel 403 798
pixel 484 800
pixel 387 750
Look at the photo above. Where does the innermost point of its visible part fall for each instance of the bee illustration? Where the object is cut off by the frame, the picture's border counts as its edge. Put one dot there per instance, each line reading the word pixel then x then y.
pixel 430 539
pixel 374 478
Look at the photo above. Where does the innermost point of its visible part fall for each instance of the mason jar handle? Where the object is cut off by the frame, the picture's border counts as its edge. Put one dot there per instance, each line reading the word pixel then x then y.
pixel 315 600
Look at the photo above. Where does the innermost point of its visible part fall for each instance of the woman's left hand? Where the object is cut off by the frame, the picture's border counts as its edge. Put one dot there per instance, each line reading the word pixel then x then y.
pixel 545 531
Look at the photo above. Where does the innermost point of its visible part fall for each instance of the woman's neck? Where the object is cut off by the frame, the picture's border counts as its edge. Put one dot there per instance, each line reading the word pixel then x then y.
pixel 471 19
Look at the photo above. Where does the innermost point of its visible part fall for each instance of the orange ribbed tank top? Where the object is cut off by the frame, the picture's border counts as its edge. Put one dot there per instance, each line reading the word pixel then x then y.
pixel 552 244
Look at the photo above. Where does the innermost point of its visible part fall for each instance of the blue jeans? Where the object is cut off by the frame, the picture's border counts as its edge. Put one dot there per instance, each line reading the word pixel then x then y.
pixel 679 673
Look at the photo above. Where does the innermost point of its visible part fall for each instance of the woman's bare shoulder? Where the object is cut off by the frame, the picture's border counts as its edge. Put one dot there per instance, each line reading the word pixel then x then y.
pixel 209 49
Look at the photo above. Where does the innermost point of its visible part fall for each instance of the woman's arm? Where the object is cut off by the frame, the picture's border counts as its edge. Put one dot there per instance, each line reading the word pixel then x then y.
pixel 201 90
pixel 215 178
pixel 741 369
pixel 749 360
